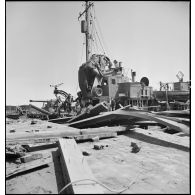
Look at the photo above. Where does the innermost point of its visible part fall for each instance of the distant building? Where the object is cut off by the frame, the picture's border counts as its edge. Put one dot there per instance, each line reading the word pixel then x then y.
pixel 10 109
pixel 181 86
pixel 134 93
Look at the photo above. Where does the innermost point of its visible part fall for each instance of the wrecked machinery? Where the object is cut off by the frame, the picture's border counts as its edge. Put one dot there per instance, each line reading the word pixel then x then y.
pixel 54 108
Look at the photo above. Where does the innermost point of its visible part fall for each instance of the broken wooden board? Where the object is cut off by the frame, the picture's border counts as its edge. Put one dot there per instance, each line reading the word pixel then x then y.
pixel 160 138
pixel 65 131
pixel 91 136
pixel 174 113
pixel 60 120
pixel 33 147
pixel 30 157
pixel 185 121
pixel 75 168
pixel 105 119
pixel 104 129
pixel 101 107
pixel 121 116
pixel 25 168
pixel 53 135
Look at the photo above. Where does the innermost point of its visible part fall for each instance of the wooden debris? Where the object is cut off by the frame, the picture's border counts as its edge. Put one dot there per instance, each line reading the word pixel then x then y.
pixel 52 136
pixel 24 168
pixel 160 138
pixel 30 157
pixel 175 113
pixel 101 107
pixel 44 146
pixel 15 151
pixel 92 136
pixel 124 117
pixel 60 120
pixel 96 121
pixel 74 168
pixel 13 155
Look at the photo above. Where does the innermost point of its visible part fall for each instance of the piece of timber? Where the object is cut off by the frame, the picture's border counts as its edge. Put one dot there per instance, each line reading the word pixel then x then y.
pixel 38 147
pixel 75 168
pixel 105 119
pixel 121 116
pixel 60 120
pixel 101 107
pixel 25 168
pixel 63 132
pixel 185 121
pixel 175 113
pixel 90 136
pixel 40 110
pixel 53 136
pixel 160 138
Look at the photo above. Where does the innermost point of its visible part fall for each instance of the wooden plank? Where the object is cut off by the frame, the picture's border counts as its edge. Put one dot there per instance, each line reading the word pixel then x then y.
pixel 63 132
pixel 24 168
pixel 121 116
pixel 54 135
pixel 33 147
pixel 101 107
pixel 160 138
pixel 97 121
pixel 175 113
pixel 74 168
pixel 31 157
pixel 104 129
pixel 90 136
pixel 60 120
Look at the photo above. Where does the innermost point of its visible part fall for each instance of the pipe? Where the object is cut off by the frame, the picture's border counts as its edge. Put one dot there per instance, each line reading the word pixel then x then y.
pixel 38 101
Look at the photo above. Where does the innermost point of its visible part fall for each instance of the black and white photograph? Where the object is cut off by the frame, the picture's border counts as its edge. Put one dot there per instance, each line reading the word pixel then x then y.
pixel 97 97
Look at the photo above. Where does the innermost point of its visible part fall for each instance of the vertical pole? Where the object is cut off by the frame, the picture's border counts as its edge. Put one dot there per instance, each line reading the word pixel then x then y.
pixel 168 108
pixel 87 18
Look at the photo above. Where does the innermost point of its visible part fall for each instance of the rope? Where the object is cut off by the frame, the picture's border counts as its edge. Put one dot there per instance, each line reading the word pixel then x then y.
pixel 101 34
pixel 99 41
pixel 111 190
pixel 96 43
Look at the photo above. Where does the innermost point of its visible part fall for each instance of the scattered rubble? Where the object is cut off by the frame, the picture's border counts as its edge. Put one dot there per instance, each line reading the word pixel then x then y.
pixel 14 151
pixel 86 153
pixel 99 146
pixel 33 122
pixel 135 147
pixel 12 131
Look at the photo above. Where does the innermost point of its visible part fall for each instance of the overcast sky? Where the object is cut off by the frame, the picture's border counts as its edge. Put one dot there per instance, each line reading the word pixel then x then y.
pixel 44 43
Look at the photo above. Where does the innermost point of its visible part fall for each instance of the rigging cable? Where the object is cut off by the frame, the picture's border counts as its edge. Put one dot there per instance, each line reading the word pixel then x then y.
pixel 97 33
pixel 94 40
pixel 101 34
pixel 99 41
